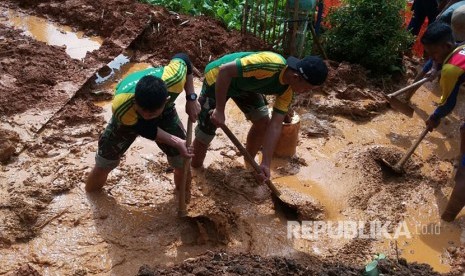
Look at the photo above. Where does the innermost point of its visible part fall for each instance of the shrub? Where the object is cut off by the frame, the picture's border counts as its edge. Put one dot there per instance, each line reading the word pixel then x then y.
pixel 368 32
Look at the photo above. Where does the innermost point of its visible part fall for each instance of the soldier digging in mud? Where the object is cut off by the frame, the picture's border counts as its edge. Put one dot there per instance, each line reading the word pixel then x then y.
pixel 246 77
pixel 430 69
pixel 440 45
pixel 144 105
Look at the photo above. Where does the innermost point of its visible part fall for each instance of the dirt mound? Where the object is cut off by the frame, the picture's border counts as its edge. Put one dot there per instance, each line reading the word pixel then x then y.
pixel 22 63
pixel 8 144
pixel 458 263
pixel 80 111
pixel 204 39
pixel 95 17
pixel 380 185
pixel 348 91
pixel 222 263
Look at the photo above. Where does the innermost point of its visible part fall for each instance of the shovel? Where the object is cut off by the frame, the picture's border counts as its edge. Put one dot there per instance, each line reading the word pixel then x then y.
pixel 399 105
pixel 398 167
pixel 286 201
pixel 186 167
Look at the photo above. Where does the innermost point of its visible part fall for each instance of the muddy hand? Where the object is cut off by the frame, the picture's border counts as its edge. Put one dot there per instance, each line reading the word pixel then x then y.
pixel 264 175
pixel 432 74
pixel 186 152
pixel 193 110
pixel 432 123
pixel 217 118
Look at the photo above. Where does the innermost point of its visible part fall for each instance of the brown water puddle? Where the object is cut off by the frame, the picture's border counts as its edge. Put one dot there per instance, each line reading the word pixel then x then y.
pixel 77 45
pixel 322 180
pixel 430 240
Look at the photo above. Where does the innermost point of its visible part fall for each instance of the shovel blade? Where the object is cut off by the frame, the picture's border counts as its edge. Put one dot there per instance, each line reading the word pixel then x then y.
pixel 387 166
pixel 400 106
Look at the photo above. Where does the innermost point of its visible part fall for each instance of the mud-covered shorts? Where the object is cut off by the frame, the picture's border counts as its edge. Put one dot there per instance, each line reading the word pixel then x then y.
pixel 117 138
pixel 253 105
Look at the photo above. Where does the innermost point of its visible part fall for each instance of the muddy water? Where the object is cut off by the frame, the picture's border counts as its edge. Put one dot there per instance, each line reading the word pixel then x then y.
pixel 329 181
pixel 135 224
pixel 430 238
pixel 326 180
pixel 77 45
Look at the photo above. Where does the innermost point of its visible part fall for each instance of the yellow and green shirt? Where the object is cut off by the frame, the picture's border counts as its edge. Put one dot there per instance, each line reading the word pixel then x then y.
pixel 174 76
pixel 259 72
pixel 452 77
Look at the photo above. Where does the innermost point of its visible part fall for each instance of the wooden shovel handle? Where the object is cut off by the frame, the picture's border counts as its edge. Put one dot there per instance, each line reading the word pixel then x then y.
pixel 408 87
pixel 404 159
pixel 185 172
pixel 249 158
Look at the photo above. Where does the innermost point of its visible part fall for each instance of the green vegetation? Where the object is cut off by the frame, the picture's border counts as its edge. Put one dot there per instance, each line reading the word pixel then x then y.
pixel 368 32
pixel 228 11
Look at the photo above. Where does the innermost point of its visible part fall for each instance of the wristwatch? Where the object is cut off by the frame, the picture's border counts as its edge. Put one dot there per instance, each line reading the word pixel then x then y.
pixel 191 97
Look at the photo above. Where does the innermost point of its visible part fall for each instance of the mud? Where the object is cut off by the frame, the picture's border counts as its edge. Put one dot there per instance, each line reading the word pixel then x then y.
pixel 26 202
pixel 133 221
pixel 22 63
pixel 381 185
pixel 204 39
pixel 116 18
pixel 221 263
pixel 8 144
pixel 458 255
pixel 25 270
pixel 350 91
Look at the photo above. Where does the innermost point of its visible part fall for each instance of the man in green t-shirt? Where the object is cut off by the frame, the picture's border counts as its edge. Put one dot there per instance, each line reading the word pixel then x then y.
pixel 246 77
pixel 144 105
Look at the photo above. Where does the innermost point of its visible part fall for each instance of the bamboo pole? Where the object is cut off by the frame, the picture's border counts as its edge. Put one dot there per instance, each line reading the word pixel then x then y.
pixel 294 28
pixel 256 18
pixel 275 13
pixel 265 19
pixel 245 14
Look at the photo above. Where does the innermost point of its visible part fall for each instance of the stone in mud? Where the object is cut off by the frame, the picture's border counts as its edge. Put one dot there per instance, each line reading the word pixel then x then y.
pixel 8 142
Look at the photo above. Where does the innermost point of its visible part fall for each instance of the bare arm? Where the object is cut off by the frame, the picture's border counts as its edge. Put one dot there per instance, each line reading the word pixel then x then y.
pixel 192 107
pixel 226 73
pixel 174 141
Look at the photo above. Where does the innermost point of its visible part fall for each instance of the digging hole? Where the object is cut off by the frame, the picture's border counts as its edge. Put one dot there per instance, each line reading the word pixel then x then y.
pixel 207 230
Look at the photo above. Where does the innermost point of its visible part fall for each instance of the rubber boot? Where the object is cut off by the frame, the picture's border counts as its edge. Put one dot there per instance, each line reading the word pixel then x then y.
pixel 457 198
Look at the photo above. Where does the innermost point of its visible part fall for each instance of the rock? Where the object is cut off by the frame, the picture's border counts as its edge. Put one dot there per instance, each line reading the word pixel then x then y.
pixel 452 250
pixel 145 270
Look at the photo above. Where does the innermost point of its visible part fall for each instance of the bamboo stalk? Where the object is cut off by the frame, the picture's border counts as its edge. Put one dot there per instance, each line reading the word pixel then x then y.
pixel 256 18
pixel 244 17
pixel 265 19
pixel 275 13
pixel 285 28
pixel 252 19
pixel 294 28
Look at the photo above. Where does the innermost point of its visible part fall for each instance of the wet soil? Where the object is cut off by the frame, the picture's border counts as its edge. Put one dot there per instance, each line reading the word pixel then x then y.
pixel 133 221
pixel 8 144
pixel 204 39
pixel 22 63
pixel 350 91
pixel 381 185
pixel 223 263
